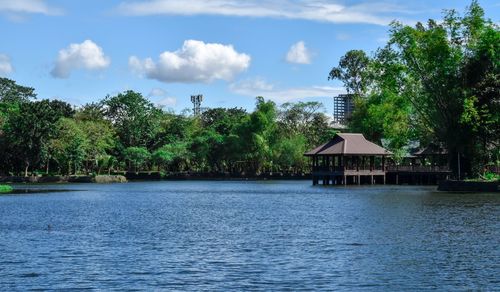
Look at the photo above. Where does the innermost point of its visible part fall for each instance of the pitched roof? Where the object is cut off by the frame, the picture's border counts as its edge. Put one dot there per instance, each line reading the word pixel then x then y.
pixel 432 149
pixel 348 144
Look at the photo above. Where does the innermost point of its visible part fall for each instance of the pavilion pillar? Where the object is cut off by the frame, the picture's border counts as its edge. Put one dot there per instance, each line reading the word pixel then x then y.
pixel 372 162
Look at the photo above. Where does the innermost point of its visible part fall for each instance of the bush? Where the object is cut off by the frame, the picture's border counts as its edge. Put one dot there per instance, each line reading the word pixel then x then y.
pixel 5 189
pixel 489 176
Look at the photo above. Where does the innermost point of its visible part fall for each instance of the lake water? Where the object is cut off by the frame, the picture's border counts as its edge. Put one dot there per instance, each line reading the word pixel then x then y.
pixel 248 236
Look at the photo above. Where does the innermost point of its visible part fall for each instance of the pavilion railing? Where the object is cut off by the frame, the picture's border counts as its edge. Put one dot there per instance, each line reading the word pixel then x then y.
pixel 418 168
pixel 346 168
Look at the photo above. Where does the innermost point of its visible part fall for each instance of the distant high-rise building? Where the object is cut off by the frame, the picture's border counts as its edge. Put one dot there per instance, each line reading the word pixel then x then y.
pixel 343 106
pixel 196 100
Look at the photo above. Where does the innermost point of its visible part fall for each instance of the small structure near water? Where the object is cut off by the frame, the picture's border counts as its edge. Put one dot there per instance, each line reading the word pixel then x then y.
pixel 351 159
pixel 348 159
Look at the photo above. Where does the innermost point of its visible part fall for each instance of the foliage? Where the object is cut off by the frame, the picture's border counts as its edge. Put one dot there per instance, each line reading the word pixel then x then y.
pixel 5 189
pixel 137 156
pixel 69 146
pixel 438 82
pixel 489 176
pixel 135 119
pixel 28 130
pixel 10 91
pixel 352 70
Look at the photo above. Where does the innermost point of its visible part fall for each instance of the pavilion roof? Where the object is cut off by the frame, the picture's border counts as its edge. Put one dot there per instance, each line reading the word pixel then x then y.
pixel 432 149
pixel 348 144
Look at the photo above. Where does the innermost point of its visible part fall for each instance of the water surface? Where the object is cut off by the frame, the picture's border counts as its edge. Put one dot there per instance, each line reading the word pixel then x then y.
pixel 248 236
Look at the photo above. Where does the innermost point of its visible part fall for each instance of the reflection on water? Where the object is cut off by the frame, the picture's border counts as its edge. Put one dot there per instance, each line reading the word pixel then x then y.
pixel 248 236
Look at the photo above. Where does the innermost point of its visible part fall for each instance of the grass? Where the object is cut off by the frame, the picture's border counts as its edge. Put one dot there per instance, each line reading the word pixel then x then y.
pixel 5 189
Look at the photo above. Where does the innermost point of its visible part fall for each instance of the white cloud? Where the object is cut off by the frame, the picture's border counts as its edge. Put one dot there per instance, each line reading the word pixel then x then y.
pixel 5 65
pixel 380 12
pixel 87 55
pixel 258 87
pixel 343 36
pixel 196 61
pixel 28 6
pixel 164 99
pixel 298 54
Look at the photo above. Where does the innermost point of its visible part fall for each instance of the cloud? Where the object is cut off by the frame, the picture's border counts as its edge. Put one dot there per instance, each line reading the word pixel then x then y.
pixel 164 99
pixel 298 54
pixel 87 55
pixel 28 6
pixel 195 62
pixel 343 36
pixel 373 12
pixel 259 87
pixel 5 65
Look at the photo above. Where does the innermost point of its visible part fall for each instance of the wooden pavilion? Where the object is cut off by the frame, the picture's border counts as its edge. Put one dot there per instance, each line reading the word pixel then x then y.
pixel 348 159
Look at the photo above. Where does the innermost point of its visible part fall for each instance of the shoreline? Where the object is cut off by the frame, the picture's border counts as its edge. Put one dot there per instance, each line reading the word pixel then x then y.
pixel 147 176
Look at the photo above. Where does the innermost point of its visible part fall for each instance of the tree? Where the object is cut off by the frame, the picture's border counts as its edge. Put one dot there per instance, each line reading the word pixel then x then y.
pixel 289 153
pixel 137 156
pixel 352 71
pixel 10 91
pixel 256 135
pixel 29 130
pixel 161 158
pixel 306 119
pixel 101 140
pixel 456 66
pixel 135 119
pixel 70 145
pixel 386 111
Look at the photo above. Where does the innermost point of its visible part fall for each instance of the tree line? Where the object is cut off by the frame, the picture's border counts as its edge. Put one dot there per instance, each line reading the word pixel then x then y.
pixel 127 132
pixel 437 82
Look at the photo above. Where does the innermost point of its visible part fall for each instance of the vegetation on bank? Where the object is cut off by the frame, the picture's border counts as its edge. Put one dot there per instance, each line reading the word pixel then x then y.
pixel 436 82
pixel 5 189
pixel 127 132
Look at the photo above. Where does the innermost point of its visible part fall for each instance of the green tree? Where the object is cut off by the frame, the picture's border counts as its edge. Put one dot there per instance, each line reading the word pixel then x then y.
pixel 306 119
pixel 456 66
pixel 10 91
pixel 161 158
pixel 256 136
pixel 289 153
pixel 70 145
pixel 29 130
pixel 137 156
pixel 352 71
pixel 135 119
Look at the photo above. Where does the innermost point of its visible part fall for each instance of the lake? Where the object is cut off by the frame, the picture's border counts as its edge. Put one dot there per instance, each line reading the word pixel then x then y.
pixel 268 235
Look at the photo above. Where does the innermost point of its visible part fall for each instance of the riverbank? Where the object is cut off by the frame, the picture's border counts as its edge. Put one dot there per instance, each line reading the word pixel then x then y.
pixel 121 177
pixel 65 179
pixel 469 186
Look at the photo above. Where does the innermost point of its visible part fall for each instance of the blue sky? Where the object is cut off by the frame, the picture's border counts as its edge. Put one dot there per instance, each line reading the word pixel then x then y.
pixel 228 50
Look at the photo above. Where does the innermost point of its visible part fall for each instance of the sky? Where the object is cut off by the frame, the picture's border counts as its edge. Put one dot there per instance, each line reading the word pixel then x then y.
pixel 228 50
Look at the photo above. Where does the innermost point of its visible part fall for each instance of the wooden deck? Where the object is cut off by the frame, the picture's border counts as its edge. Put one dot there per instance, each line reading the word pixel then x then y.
pixel 345 175
pixel 419 175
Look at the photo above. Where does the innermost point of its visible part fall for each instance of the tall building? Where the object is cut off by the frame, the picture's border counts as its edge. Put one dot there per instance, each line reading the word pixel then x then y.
pixel 343 106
